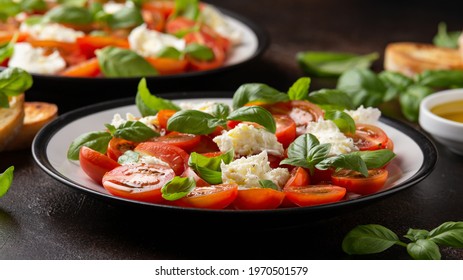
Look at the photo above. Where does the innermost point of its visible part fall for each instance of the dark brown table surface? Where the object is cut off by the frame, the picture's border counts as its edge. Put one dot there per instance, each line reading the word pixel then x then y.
pixel 41 218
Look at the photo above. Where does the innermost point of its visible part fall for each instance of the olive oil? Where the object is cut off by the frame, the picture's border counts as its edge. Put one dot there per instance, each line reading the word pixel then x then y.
pixel 452 111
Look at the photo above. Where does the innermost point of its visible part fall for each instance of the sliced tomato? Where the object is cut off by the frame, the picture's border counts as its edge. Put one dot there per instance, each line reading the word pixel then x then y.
pixel 118 146
pixel 154 20
pixel 369 137
pixel 87 68
pixel 314 194
pixel 6 36
pixel 142 182
pixel 286 129
pixel 88 44
pixel 320 177
pixel 164 116
pixel 299 177
pixel 176 157
pixel 165 8
pixel 206 145
pixel 182 140
pixel 168 66
pixel 208 37
pixel 211 197
pixel 95 164
pixel 355 182
pixel 64 46
pixel 179 25
pixel 390 144
pixel 258 198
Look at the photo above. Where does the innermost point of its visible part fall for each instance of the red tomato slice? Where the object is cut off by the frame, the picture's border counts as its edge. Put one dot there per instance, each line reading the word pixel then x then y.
pixel 154 20
pixel 164 116
pixel 321 177
pixel 88 44
pixel 299 177
pixel 142 182
pixel 206 145
pixel 118 146
pixel 176 157
pixel 370 137
pixel 95 164
pixel 87 68
pixel 286 129
pixel 179 24
pixel 355 182
pixel 314 194
pixel 211 197
pixel 258 198
pixel 182 140
pixel 168 66
pixel 64 46
pixel 165 8
pixel 390 144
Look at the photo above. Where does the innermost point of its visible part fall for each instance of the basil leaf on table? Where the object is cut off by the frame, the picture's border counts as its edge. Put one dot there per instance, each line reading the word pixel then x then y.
pixel 448 234
pixel 177 188
pixel 6 179
pixel 332 64
pixel 343 121
pixel 446 39
pixel 255 92
pixel 150 105
pixel 395 82
pixel 254 114
pixel 410 101
pixel 334 97
pixel 416 234
pixel 69 14
pixel 117 62
pixel 369 239
pixel 96 140
pixel 193 122
pixel 135 131
pixel 125 18
pixel 199 52
pixel 424 249
pixel 300 89
pixel 440 78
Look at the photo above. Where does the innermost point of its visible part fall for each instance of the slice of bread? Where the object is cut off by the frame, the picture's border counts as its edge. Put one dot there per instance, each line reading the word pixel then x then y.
pixel 37 114
pixel 413 58
pixel 11 120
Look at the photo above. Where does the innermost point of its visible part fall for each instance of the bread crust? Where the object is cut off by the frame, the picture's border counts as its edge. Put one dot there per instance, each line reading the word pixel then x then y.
pixel 11 120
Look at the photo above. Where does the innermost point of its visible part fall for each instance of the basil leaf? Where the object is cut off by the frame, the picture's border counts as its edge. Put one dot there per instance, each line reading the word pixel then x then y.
pixel 69 14
pixel 446 39
pixel 395 83
pixel 410 101
pixel 332 64
pixel 77 3
pixel 257 93
pixel 302 145
pixel 6 50
pixel 331 97
pixel 363 87
pixel 34 19
pixel 209 168
pixel 128 156
pixel 135 131
pixel 177 188
pixel 300 89
pixel 424 249
pixel 302 162
pixel 9 8
pixel 150 105
pixel 416 234
pixel 351 161
pixel 33 5
pixel 125 18
pixel 368 239
pixel 343 121
pixel 4 101
pixel 193 122
pixel 440 78
pixel 6 179
pixel 117 62
pixel 187 8
pixel 448 234
pixel 14 81
pixel 199 52
pixel 306 151
pixel 268 184
pixel 170 52
pixel 96 140
pixel 376 159
pixel 254 114
pixel 221 111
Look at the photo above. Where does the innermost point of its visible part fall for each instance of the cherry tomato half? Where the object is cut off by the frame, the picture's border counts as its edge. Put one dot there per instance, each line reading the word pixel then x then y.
pixel 355 182
pixel 181 140
pixel 164 116
pixel 299 177
pixel 286 129
pixel 314 194
pixel 176 157
pixel 118 146
pixel 369 137
pixel 258 198
pixel 211 197
pixel 142 182
pixel 95 164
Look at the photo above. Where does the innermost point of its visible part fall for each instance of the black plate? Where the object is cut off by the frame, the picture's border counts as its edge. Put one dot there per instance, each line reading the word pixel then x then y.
pixel 49 152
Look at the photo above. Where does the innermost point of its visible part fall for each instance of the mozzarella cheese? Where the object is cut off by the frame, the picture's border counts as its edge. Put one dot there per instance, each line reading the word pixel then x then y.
pixel 246 172
pixel 364 115
pixel 151 160
pixel 149 121
pixel 148 43
pixel 114 7
pixel 215 19
pixel 326 131
pixel 34 60
pixel 207 107
pixel 51 31
pixel 246 140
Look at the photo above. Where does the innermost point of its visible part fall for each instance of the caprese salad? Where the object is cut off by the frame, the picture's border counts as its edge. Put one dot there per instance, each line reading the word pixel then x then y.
pixel 267 149
pixel 100 38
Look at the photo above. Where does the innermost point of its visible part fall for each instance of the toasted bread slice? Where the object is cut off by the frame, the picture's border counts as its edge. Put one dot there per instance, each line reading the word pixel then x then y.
pixel 11 120
pixel 37 114
pixel 413 58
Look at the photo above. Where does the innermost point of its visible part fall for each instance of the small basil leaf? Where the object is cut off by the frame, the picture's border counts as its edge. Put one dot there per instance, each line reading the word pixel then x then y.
pixel 331 64
pixel 440 78
pixel 128 157
pixel 446 39
pixel 221 111
pixel 448 234
pixel 199 52
pixel 363 86
pixel 14 81
pixel 302 162
pixel 69 14
pixel 9 8
pixel 350 161
pixel 150 105
pixel 33 5
pixel 257 93
pixel 268 184
pixel 77 3
pixel 395 82
pixel 6 179
pixel 254 114
pixel 135 131
pixel 376 159
pixel 111 128
pixel 170 52
pixel 368 239
pixel 177 188
pixel 302 145
pixel 415 234
pixel 424 249
pixel 96 140
pixel 300 89
pixel 6 50
pixel 117 62
pixel 410 101
pixel 211 176
pixel 331 97
pixel 212 163
pixel 343 121
pixel 187 8
pixel 317 154
pixel 4 101
pixel 125 18
pixel 193 122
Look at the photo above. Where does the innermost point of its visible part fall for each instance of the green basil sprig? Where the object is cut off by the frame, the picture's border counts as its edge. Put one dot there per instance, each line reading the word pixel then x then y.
pixel 13 81
pixel 255 114
pixel 118 62
pixel 208 168
pixel 300 89
pixel 424 245
pixel 133 131
pixel 446 39
pixel 255 92
pixel 149 104
pixel 69 14
pixel 343 121
pixel 332 64
pixel 177 188
pixel 6 179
